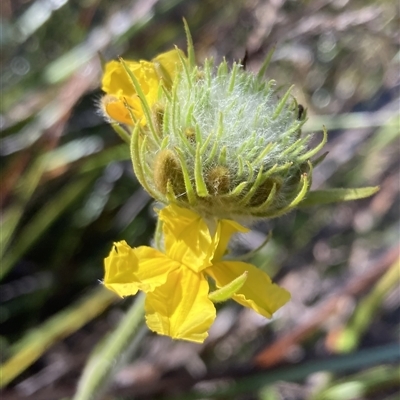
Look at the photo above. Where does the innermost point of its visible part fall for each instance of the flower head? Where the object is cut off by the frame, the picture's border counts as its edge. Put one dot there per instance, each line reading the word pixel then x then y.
pixel 222 143
pixel 215 144
pixel 176 281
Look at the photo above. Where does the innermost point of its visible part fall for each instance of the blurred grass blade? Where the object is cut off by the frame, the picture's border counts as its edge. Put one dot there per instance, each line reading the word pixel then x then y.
pixel 39 223
pixel 373 151
pixel 362 359
pixel 328 196
pixel 356 120
pixel 26 187
pixel 63 324
pixel 117 153
pixel 362 384
pixel 348 339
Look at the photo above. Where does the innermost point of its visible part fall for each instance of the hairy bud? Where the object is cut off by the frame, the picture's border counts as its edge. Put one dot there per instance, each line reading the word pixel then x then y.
pixel 225 144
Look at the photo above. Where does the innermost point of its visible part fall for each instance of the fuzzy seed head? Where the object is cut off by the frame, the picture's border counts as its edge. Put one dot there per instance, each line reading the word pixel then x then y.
pixel 225 144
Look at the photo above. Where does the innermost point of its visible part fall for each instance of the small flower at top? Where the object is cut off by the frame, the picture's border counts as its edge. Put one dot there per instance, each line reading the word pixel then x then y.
pixel 178 302
pixel 122 102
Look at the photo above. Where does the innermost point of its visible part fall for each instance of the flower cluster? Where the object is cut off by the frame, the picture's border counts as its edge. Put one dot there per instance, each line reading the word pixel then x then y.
pixel 214 145
pixel 178 303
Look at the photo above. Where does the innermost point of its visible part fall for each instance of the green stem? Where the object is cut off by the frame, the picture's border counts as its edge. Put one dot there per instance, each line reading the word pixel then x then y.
pixel 105 357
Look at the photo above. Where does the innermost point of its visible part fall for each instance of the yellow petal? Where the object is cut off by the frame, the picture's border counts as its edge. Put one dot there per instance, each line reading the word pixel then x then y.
pixel 170 61
pixel 128 270
pixel 258 292
pixel 121 109
pixel 119 267
pixel 225 229
pixel 187 237
pixel 181 308
pixel 153 268
pixel 146 75
pixel 122 94
pixel 116 81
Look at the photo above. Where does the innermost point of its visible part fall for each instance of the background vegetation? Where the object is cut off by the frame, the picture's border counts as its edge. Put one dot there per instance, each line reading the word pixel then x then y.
pixel 68 191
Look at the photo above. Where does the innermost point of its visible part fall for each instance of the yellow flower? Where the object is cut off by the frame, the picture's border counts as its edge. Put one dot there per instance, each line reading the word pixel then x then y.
pixel 121 97
pixel 175 282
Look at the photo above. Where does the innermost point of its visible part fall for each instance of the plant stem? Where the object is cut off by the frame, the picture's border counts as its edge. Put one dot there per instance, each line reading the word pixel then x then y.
pixel 107 354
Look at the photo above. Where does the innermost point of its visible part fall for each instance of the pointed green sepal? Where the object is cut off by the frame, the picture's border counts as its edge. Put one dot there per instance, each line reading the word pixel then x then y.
pixel 163 75
pixel 142 97
pixel 317 148
pixel 337 195
pixel 190 47
pixel 319 159
pixel 227 291
pixel 282 103
pixel 201 187
pixel 266 63
pixel 138 166
pixel 186 177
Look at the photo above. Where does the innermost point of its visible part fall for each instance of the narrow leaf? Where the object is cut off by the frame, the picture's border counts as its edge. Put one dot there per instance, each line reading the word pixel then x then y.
pixel 337 195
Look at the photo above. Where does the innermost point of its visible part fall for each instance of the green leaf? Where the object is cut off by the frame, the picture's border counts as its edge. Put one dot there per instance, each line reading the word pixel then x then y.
pixel 337 195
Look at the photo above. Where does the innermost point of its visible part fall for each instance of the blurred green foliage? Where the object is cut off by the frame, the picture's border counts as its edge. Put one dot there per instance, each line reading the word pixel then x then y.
pixel 68 192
